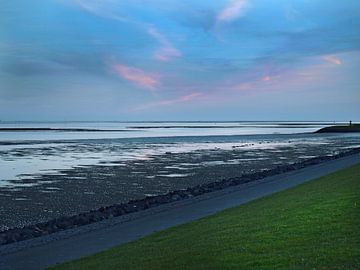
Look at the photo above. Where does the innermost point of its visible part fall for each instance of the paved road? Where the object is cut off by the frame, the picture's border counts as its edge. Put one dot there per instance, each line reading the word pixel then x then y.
pixel 79 245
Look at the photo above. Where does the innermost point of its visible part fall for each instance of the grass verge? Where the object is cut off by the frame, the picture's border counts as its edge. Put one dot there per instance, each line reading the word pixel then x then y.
pixel 313 226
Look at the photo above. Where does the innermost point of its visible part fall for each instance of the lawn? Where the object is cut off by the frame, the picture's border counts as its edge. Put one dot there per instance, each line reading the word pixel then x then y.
pixel 313 226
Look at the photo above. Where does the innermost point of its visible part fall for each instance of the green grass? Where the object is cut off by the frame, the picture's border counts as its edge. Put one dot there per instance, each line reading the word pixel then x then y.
pixel 313 226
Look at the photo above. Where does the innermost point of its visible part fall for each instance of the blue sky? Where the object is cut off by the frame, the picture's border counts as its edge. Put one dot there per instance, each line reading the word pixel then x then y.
pixel 179 60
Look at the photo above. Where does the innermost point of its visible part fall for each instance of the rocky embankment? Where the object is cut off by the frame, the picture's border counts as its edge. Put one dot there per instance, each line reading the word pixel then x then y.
pixel 64 223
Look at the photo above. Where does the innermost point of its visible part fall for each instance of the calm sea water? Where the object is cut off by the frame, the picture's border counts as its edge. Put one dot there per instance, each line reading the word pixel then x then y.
pixel 148 129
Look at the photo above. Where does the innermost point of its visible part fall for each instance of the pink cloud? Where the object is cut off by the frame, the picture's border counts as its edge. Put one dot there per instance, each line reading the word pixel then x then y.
pixel 232 11
pixel 242 86
pixel 278 79
pixel 168 102
pixel 167 51
pixel 266 78
pixel 305 75
pixel 190 97
pixel 137 76
pixel 256 83
pixel 332 59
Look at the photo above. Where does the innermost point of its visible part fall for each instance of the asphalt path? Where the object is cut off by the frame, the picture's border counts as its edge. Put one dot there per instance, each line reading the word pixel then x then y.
pixel 39 254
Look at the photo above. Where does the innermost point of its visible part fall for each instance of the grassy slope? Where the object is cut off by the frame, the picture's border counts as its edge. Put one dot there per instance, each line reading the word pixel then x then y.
pixel 315 225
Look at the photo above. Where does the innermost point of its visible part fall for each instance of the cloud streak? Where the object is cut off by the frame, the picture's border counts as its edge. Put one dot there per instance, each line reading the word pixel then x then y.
pixel 232 11
pixel 167 51
pixel 104 8
pixel 168 102
pixel 332 59
pixel 137 76
pixel 253 85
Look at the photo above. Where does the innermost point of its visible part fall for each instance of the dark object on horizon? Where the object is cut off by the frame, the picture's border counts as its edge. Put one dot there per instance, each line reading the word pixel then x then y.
pixel 338 129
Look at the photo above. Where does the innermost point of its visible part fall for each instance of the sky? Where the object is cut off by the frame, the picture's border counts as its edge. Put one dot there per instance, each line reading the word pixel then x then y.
pixel 180 60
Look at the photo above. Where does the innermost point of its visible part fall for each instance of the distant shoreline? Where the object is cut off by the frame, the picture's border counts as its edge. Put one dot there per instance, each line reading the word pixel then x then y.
pixel 62 130
pixel 340 129
pixel 138 128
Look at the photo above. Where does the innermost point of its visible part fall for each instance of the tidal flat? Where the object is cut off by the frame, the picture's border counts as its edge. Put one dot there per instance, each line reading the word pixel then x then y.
pixel 121 171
